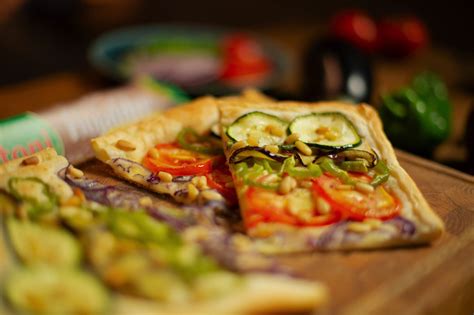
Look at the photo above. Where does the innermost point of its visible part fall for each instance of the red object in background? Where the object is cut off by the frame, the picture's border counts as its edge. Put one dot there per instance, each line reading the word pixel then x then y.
pixel 244 59
pixel 355 27
pixel 401 37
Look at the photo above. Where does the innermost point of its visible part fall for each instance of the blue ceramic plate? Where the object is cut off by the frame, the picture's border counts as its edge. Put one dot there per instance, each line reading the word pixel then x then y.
pixel 190 57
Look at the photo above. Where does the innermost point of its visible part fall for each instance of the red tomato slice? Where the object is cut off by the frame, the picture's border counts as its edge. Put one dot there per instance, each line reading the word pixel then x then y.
pixel 178 161
pixel 220 178
pixel 265 205
pixel 353 204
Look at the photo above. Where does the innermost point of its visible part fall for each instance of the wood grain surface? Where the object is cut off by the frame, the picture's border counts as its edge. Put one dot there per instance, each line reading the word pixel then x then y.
pixel 435 279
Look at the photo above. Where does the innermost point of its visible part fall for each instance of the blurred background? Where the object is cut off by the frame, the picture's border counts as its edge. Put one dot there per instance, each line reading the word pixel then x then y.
pixel 412 60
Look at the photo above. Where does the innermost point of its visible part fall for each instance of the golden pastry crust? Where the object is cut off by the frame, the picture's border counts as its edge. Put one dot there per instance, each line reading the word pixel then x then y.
pixel 415 208
pixel 47 168
pixel 163 127
pixel 258 294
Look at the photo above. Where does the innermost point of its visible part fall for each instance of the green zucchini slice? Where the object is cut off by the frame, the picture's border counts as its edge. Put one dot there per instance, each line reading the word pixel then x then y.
pixel 265 128
pixel 330 130
pixel 35 244
pixel 46 290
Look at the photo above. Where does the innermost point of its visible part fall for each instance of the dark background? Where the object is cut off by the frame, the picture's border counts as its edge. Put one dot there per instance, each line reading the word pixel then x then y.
pixel 39 37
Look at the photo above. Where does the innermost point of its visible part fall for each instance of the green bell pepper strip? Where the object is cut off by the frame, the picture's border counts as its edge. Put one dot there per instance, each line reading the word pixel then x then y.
pixel 289 166
pixel 354 166
pixel 382 173
pixel 36 207
pixel 418 117
pixel 202 144
pixel 328 165
pixel 140 227
pixel 249 175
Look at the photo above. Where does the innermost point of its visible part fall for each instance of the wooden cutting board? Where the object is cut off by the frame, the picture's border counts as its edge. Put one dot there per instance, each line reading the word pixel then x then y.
pixel 436 279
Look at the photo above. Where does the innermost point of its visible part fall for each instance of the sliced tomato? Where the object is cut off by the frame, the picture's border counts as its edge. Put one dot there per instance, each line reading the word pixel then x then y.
pixel 352 204
pixel 264 205
pixel 178 161
pixel 220 179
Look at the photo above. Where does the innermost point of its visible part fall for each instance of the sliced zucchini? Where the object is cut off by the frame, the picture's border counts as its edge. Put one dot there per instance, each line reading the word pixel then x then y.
pixel 46 290
pixel 325 130
pixel 264 128
pixel 368 157
pixel 35 244
pixel 36 194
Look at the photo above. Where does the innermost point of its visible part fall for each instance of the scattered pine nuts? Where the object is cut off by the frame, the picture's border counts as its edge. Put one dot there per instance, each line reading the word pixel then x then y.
pixel 193 192
pixel 154 153
pixel 364 188
pixel 238 145
pixel 125 145
pixel 75 172
pixel 211 195
pixel 165 176
pixel 271 148
pixel 303 148
pixel 358 227
pixel 292 138
pixel 31 160
pixel 287 184
pixel 322 206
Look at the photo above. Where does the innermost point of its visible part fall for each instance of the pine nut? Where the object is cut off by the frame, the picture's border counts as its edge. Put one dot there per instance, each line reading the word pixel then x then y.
pixel 154 153
pixel 287 185
pixel 252 139
pixel 358 227
pixel 322 130
pixel 125 145
pixel 31 160
pixel 72 201
pixel 292 138
pixel 322 206
pixel 238 145
pixel 211 195
pixel 193 192
pixel 344 187
pixel 145 201
pixel 364 188
pixel 200 182
pixel 271 148
pixel 165 176
pixel 74 172
pixel 303 148
pixel 69 210
pixel 306 184
pixel 275 131
pixel 332 135
pixel 373 223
